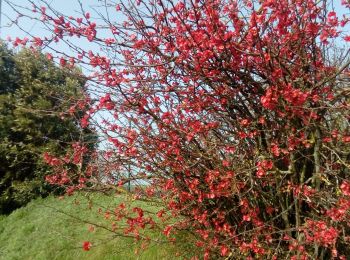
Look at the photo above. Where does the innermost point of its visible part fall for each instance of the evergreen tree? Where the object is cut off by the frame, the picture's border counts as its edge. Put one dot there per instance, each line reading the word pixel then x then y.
pixel 35 96
pixel 8 73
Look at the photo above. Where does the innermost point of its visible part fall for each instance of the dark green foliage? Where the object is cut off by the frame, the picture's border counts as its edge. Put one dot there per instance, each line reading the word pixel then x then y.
pixel 8 73
pixel 34 120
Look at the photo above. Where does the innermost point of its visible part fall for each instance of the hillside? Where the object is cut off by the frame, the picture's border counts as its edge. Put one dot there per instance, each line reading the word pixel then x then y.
pixel 52 228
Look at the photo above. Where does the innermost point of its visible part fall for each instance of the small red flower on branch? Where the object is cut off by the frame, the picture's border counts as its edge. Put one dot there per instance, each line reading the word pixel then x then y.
pixel 86 245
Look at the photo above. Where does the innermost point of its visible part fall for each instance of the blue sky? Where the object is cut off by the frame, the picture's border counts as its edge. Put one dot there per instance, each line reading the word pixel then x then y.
pixel 68 7
pixel 27 26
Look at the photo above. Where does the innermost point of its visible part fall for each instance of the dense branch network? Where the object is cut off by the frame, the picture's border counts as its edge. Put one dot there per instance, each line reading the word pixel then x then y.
pixel 229 110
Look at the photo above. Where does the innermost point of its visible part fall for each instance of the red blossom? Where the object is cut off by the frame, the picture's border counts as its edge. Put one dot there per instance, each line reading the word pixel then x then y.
pixel 345 188
pixel 167 230
pixel 86 245
pixel 224 250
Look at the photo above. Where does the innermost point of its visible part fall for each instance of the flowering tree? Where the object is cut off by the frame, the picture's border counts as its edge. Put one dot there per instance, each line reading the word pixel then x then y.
pixel 231 111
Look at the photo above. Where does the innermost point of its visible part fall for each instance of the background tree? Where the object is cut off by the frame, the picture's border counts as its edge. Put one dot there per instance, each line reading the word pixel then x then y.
pixel 36 118
pixel 8 73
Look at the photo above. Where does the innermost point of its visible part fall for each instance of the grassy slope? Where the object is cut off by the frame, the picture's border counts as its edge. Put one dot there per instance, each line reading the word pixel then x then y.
pixel 39 231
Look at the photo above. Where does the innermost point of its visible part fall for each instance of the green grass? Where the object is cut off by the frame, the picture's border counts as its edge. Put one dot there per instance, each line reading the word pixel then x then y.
pixel 55 229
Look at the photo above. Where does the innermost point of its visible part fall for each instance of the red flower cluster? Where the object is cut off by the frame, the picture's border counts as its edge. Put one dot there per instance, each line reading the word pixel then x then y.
pixel 228 111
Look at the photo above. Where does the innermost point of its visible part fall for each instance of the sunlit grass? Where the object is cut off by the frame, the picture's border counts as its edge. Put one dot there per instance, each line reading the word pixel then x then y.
pixel 55 228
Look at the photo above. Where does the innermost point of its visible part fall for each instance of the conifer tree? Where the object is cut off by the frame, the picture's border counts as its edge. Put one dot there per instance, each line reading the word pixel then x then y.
pixel 36 99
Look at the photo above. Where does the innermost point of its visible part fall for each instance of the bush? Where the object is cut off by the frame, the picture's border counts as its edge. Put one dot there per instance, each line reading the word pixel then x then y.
pixel 231 111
